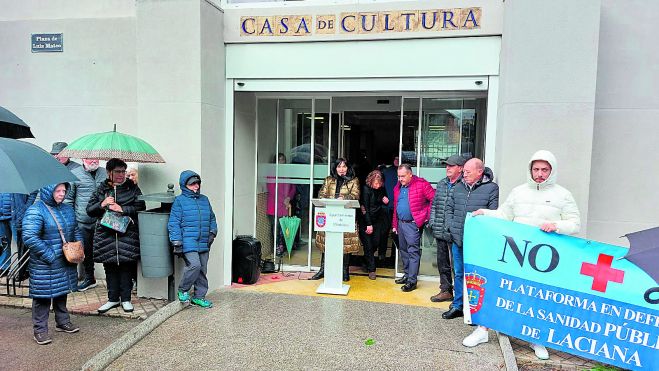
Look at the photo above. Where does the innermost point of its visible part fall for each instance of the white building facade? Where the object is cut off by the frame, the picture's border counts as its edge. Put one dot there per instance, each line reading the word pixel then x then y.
pixel 223 88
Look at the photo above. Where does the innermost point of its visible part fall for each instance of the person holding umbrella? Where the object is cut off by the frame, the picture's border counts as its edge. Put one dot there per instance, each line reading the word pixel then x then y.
pixel 192 230
pixel 118 251
pixel 45 225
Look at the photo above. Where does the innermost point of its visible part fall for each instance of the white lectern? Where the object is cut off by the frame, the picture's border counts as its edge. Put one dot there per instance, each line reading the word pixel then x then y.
pixel 334 217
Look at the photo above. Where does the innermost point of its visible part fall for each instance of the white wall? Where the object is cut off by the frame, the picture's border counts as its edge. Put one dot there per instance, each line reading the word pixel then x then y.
pixel 623 194
pixel 547 91
pixel 88 87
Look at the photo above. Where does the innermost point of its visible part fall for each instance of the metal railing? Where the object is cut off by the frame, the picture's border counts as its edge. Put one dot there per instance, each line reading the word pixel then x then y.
pixel 14 271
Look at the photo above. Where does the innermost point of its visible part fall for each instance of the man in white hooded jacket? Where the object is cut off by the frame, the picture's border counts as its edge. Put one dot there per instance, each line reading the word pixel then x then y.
pixel 539 202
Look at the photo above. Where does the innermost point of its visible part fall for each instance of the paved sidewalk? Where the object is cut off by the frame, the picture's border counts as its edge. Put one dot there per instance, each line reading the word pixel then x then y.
pixel 87 302
pixel 266 331
pixel 526 359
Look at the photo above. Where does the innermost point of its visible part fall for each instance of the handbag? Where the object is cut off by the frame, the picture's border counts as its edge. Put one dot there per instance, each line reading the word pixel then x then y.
pixel 115 221
pixel 74 252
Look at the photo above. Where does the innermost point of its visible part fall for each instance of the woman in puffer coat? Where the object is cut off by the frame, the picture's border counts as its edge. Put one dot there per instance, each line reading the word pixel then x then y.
pixel 119 252
pixel 51 276
pixel 192 230
pixel 341 184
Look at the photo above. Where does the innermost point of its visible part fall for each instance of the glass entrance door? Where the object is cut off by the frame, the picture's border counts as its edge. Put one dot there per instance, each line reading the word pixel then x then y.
pixel 299 137
pixel 292 154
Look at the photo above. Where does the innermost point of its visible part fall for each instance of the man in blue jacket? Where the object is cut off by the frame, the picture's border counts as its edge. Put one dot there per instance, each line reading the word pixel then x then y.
pixel 192 229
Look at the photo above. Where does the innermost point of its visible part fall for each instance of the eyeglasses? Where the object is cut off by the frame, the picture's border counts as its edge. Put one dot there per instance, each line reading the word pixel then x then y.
pixel 118 171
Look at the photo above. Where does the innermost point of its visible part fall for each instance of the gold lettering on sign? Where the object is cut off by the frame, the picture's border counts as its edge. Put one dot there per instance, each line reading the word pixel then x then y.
pixel 325 24
pixel 348 23
pixel 409 20
pixel 449 19
pixel 471 18
pixel 302 25
pixel 390 21
pixel 428 20
pixel 363 23
pixel 264 26
pixel 368 23
pixel 247 26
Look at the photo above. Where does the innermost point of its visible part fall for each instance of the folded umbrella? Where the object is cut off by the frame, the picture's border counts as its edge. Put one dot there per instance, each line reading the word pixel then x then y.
pixel 25 167
pixel 289 227
pixel 112 144
pixel 11 126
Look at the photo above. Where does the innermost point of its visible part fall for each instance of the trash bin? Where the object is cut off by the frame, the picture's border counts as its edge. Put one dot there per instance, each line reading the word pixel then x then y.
pixel 155 254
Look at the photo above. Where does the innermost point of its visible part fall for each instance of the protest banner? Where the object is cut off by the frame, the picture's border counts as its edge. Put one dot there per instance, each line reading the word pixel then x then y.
pixel 567 293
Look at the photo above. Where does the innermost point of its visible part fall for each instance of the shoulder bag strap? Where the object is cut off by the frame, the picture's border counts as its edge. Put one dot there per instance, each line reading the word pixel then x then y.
pixel 59 228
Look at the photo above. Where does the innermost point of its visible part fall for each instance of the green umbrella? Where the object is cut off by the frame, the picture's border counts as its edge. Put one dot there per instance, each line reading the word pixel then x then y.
pixel 289 226
pixel 112 144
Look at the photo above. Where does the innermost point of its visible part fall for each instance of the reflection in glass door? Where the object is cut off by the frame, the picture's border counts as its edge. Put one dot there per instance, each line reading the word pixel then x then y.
pixel 293 142
pixel 298 137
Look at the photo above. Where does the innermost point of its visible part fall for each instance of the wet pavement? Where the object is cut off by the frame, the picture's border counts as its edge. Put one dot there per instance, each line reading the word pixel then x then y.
pixel 18 351
pixel 254 330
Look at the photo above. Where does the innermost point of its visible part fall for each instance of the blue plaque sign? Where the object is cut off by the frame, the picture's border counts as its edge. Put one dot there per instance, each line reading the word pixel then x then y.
pixel 47 42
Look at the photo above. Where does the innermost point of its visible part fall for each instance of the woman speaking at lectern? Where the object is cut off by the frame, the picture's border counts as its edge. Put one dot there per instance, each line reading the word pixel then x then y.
pixel 343 185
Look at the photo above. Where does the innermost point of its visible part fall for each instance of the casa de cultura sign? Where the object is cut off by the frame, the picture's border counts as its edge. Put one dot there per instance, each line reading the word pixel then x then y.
pixel 362 23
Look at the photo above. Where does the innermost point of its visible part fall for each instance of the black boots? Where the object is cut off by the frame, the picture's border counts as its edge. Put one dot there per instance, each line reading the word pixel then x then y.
pixel 321 273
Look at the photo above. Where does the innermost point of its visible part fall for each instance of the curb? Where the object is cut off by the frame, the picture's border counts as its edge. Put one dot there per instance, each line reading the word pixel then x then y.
pixel 507 351
pixel 101 360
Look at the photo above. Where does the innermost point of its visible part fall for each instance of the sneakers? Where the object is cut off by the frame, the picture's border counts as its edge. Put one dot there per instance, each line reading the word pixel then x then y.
pixel 183 296
pixel 68 328
pixel 371 275
pixel 540 351
pixel 202 302
pixel 107 306
pixel 477 337
pixel 87 284
pixel 42 338
pixel 442 296
pixel 127 306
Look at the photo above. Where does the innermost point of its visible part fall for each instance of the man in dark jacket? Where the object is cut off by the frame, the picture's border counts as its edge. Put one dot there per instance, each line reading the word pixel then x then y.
pixel 439 226
pixel 91 176
pixel 477 190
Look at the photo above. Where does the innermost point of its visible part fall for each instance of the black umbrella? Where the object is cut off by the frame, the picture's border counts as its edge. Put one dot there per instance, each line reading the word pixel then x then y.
pixel 25 167
pixel 644 250
pixel 13 127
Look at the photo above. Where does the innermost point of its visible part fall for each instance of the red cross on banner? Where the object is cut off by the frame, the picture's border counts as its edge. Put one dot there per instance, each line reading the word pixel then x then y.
pixel 602 272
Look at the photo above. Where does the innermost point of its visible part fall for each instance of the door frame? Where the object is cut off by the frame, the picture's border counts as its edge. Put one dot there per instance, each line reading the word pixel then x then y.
pixel 439 87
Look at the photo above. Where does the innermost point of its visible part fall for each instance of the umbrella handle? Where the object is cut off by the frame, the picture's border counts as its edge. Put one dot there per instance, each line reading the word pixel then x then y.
pixel 290 209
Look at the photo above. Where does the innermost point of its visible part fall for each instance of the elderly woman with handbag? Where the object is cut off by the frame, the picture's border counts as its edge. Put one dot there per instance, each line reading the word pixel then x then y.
pixel 50 228
pixel 116 237
pixel 341 184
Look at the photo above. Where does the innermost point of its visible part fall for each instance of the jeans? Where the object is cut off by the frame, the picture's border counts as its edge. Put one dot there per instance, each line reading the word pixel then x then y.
pixel 409 236
pixel 458 267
